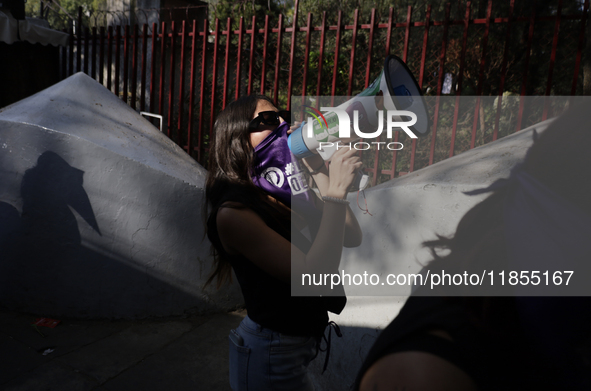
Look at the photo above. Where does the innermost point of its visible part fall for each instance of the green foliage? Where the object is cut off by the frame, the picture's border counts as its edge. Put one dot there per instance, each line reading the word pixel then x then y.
pixel 59 19
pixel 223 9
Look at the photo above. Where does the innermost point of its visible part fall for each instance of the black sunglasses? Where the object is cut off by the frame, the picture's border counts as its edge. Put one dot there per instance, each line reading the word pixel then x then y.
pixel 270 118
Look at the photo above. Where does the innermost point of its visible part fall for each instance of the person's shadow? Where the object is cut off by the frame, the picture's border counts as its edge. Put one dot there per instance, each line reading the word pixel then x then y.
pixel 54 259
pixel 48 191
pixel 47 228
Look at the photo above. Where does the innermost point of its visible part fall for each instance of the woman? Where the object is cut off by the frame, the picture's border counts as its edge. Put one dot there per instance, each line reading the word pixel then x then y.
pixel 254 231
pixel 538 219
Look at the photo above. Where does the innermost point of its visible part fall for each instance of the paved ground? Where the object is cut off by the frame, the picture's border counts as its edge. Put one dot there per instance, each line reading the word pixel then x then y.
pixel 163 354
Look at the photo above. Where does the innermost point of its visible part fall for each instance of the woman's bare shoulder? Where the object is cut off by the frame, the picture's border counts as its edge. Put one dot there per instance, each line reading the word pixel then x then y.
pixel 232 205
pixel 234 213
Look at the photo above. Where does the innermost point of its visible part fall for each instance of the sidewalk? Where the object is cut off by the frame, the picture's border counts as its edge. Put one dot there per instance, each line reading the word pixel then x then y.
pixel 158 354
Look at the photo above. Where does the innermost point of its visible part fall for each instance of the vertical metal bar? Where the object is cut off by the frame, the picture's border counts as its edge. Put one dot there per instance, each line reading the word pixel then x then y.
pixel 580 48
pixel 460 79
pixel 109 56
pixel 64 61
pixel 421 77
pixel 125 63
pixel 532 21
pixel 134 67
pixel 425 41
pixel 321 58
pixel 182 83
pixel 407 33
pixel 439 81
pixel 79 41
pixel 143 75
pixel 171 78
pixel 374 170
pixel 481 75
pixel 154 36
pixel 372 26
pixel 71 53
pixel 93 59
pixel 101 54
pixel 86 49
pixel 337 46
pixel 277 60
pixel 307 54
pixel 192 88
pixel 552 59
pixel 264 67
pixel 251 57
pixel 202 93
pixel 352 62
pixel 227 63
pixel 239 56
pixel 503 69
pixel 117 59
pixel 161 83
pixel 294 29
pixel 389 31
pixel 392 171
pixel 214 76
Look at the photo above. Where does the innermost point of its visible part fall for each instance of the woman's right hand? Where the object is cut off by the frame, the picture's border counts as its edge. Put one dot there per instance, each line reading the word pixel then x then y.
pixel 343 168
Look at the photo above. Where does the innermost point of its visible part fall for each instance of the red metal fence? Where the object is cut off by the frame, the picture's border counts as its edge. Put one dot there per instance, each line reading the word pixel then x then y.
pixel 188 73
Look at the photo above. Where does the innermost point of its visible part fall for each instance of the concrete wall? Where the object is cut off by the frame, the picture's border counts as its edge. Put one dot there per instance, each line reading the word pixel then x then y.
pixel 406 212
pixel 100 212
pixel 100 217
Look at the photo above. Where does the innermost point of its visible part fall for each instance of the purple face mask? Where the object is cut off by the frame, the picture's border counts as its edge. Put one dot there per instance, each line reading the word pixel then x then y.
pixel 279 173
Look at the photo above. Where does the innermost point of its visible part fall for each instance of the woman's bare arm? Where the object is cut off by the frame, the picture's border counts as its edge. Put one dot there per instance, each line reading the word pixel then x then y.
pixel 315 163
pixel 353 233
pixel 242 231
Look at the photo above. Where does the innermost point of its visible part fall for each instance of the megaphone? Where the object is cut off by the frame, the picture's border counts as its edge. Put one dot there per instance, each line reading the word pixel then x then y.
pixel 394 94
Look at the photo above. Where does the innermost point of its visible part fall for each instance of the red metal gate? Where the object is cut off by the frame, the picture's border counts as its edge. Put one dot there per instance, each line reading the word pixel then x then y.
pixel 188 73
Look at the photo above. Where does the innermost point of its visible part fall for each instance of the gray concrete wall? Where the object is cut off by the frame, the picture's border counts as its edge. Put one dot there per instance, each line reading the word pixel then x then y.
pixel 406 212
pixel 100 213
pixel 100 217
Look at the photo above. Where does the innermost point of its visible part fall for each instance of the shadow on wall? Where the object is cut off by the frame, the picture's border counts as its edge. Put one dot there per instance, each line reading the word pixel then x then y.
pixel 48 191
pixel 44 265
pixel 47 224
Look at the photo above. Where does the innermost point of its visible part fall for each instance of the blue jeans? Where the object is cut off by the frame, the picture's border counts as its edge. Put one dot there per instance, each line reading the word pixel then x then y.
pixel 262 359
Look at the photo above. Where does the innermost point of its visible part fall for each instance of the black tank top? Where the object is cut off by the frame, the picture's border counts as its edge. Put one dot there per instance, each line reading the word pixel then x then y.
pixel 268 300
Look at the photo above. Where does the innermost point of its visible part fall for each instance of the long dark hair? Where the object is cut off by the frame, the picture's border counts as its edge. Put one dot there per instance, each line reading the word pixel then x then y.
pixel 231 159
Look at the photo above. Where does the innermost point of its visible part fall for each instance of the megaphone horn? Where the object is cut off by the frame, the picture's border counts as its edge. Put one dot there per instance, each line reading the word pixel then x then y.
pixel 395 91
